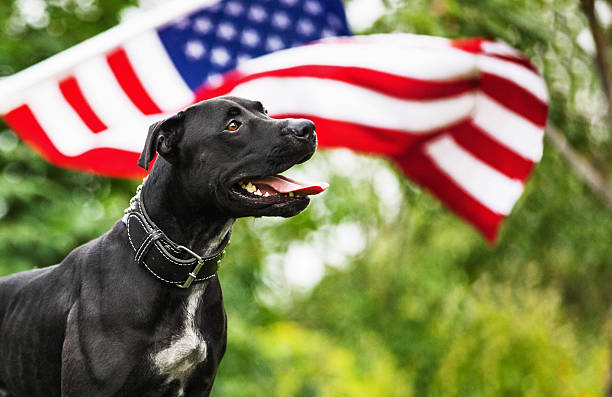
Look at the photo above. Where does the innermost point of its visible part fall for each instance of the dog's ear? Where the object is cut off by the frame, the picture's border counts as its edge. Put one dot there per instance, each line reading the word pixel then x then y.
pixel 163 138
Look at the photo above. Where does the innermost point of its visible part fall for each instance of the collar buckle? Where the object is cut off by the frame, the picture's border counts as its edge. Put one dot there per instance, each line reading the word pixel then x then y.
pixel 194 273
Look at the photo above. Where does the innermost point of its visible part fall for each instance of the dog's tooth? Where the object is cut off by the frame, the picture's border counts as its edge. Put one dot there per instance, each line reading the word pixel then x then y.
pixel 266 194
pixel 258 192
pixel 251 188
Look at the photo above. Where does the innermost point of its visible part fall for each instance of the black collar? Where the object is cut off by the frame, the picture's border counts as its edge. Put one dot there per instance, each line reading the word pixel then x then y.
pixel 169 262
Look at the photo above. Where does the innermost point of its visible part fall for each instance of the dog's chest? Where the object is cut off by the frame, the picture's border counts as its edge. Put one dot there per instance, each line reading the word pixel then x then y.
pixel 178 361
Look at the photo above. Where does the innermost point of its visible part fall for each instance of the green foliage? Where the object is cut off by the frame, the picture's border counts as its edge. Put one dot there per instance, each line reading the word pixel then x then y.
pixel 412 300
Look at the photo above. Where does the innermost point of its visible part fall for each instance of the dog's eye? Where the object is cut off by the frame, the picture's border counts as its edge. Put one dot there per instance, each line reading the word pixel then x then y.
pixel 233 125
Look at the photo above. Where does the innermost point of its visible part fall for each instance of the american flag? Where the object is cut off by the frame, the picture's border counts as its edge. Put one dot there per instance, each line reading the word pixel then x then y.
pixel 463 118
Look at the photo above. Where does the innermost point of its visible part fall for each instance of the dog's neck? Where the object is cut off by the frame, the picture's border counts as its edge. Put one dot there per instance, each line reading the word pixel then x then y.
pixel 186 221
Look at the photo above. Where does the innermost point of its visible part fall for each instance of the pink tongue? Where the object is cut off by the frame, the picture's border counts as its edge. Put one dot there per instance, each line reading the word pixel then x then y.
pixel 282 184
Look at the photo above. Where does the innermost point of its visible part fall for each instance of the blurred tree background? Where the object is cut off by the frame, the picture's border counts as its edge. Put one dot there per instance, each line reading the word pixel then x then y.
pixel 376 289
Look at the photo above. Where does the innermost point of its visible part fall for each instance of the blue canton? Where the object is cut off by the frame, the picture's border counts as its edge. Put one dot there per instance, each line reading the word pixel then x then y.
pixel 214 39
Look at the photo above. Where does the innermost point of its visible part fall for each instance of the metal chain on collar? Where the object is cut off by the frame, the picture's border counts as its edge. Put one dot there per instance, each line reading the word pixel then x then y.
pixel 135 198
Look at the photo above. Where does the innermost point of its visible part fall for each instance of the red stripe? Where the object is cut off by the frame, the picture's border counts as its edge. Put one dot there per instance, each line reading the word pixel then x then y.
pixel 385 83
pixel 74 96
pixel 104 161
pixel 515 98
pixel 473 45
pixel 334 134
pixel 491 152
pixel 130 83
pixel 519 61
pixel 420 167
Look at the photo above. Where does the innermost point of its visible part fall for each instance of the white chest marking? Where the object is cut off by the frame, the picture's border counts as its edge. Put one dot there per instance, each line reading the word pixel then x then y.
pixel 178 360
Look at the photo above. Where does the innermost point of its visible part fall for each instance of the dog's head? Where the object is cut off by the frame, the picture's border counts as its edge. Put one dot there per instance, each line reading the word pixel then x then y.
pixel 227 152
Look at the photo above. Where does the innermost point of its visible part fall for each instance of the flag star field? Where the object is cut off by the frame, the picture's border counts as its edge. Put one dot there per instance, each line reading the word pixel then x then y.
pixel 213 40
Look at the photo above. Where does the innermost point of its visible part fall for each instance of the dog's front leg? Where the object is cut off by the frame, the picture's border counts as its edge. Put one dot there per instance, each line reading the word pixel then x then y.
pixel 76 380
pixel 92 364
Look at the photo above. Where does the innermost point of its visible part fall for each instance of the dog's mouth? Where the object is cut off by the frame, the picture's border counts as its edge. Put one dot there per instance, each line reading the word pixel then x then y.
pixel 276 189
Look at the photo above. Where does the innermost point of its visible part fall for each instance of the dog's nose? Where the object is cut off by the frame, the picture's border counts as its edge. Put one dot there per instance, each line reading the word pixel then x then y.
pixel 301 128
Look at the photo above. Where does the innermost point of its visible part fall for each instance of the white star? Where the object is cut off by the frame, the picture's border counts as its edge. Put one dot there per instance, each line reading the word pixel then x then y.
pixel 182 23
pixel 274 43
pixel 226 31
pixel 280 20
pixel 234 8
pixel 202 25
pixel 250 37
pixel 313 7
pixel 334 21
pixel 305 27
pixel 257 13
pixel 215 7
pixel 327 33
pixel 242 58
pixel 214 80
pixel 220 56
pixel 194 49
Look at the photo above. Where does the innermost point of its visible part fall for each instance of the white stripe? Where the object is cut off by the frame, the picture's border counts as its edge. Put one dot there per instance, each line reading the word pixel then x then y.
pixel 518 74
pixel 63 126
pixel 103 92
pixel 404 39
pixel 508 128
pixel 58 65
pixel 485 184
pixel 71 136
pixel 385 56
pixel 157 73
pixel 500 48
pixel 345 102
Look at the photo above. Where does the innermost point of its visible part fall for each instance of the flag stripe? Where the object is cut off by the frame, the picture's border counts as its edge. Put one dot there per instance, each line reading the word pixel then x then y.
pixel 472 45
pixel 385 83
pixel 488 186
pixel 518 74
pixel 433 64
pixel 69 59
pixel 490 151
pixel 74 96
pixel 495 49
pixel 70 134
pixel 64 127
pixel 335 134
pixel 500 48
pixel 422 169
pixel 105 161
pixel 159 77
pixel 508 128
pixel 103 93
pixel 130 83
pixel 514 98
pixel 341 101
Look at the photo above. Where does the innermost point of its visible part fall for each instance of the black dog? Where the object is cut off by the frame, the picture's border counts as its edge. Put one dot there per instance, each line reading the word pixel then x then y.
pixel 133 313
